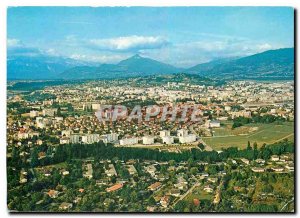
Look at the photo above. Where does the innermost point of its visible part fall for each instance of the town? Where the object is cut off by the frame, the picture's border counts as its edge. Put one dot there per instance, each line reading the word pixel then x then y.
pixel 61 157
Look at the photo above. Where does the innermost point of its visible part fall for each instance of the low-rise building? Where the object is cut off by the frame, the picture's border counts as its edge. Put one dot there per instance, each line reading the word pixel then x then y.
pixel 168 140
pixel 115 187
pixel 148 140
pixel 65 206
pixel 164 201
pixel 258 169
pixel 154 186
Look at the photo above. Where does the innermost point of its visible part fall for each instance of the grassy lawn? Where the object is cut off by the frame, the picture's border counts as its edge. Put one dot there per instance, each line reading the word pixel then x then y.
pixel 260 133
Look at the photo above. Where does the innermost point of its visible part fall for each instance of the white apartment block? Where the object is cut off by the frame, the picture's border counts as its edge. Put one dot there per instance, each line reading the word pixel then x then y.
pixel 128 141
pixel 90 138
pixel 188 138
pixel 164 133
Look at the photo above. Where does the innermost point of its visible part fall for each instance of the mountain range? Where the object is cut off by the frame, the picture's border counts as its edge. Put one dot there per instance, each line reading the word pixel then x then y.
pixel 271 64
pixel 131 67
pixel 32 64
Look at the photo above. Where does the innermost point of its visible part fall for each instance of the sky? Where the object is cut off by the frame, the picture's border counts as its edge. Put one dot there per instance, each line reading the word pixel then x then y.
pixel 181 36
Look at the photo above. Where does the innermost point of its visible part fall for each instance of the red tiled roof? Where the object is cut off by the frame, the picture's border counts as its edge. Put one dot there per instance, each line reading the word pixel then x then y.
pixel 114 187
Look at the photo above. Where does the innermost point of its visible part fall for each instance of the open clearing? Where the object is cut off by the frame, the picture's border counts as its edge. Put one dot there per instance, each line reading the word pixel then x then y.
pixel 260 133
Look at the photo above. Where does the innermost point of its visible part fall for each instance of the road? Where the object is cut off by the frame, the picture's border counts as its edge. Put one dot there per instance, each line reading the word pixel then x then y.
pixel 284 206
pixel 185 194
pixel 207 147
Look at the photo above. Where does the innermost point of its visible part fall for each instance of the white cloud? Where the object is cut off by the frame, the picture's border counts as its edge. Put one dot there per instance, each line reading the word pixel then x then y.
pixel 181 54
pixel 129 43
pixel 14 43
pixel 188 54
pixel 264 47
pixel 52 52
pixel 103 58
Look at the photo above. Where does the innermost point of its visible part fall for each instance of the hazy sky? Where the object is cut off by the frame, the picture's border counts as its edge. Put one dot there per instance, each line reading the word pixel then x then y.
pixel 182 36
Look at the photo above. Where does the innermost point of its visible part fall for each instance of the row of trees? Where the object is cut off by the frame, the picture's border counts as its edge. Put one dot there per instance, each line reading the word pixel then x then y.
pixel 268 118
pixel 101 151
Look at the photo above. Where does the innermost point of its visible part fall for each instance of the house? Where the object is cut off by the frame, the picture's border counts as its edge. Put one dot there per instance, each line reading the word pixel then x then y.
pixel 41 155
pixel 245 161
pixel 211 179
pixel 64 172
pixel 52 193
pixel 77 200
pixel 111 171
pixel 260 161
pixel 114 187
pixel 181 186
pixel 89 171
pixel 132 170
pixel 164 201
pixel 290 167
pixel 277 169
pixel 23 176
pixel 23 180
pixel 151 170
pixel 65 206
pixel 150 209
pixel 39 142
pixel 258 169
pixel 274 158
pixel 237 188
pixel 161 177
pixel 181 183
pixel 208 188
pixel 154 186
pixel 47 173
pixel 233 161
pixel 175 192
pixel 217 197
pixel 102 182
pixel 196 202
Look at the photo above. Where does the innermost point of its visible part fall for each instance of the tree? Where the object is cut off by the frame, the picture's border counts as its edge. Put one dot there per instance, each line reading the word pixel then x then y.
pixel 201 146
pixel 34 158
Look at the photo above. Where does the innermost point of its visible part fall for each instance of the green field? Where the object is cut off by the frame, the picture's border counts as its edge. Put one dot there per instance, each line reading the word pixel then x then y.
pixel 259 133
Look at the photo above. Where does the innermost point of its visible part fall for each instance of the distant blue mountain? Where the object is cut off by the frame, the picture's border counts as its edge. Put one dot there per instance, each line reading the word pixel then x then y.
pixel 133 66
pixel 272 64
pixel 31 64
pixel 27 63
